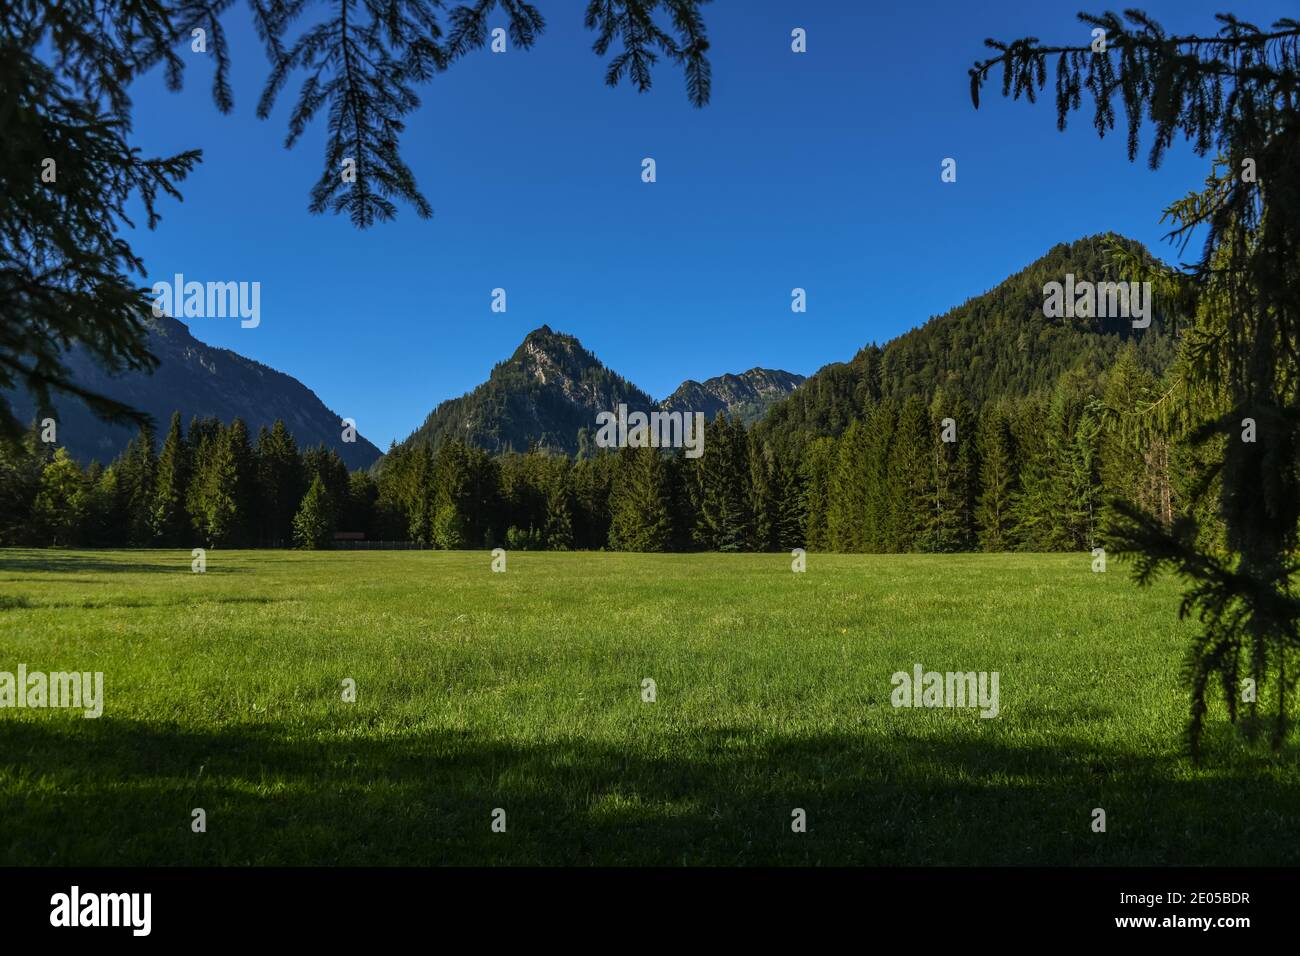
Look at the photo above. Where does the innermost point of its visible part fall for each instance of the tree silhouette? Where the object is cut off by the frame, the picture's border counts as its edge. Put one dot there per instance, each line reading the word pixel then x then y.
pixel 1236 93
pixel 68 168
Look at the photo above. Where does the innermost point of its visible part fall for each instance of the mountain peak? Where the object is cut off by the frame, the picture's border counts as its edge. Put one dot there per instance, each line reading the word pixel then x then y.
pixel 747 395
pixel 546 355
pixel 552 388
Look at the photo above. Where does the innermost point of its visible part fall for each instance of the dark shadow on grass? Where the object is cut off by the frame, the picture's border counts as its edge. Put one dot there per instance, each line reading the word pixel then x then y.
pixel 113 792
pixel 14 603
pixel 97 562
pixel 94 604
pixel 62 579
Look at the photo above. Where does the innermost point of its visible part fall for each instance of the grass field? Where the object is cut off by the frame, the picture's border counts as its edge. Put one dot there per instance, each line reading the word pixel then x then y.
pixel 523 691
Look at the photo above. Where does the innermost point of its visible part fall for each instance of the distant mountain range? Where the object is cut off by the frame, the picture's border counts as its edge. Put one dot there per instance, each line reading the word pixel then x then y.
pixel 195 379
pixel 748 395
pixel 996 344
pixel 544 394
pixel 552 388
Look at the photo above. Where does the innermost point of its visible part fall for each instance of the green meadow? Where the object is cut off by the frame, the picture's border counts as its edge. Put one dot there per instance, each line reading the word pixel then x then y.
pixel 523 691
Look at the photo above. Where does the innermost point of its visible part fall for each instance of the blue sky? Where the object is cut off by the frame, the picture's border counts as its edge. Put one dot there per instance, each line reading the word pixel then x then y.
pixel 817 170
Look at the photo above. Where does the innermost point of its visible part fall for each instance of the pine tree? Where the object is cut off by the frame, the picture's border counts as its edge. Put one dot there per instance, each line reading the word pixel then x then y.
pixel 558 530
pixel 1033 504
pixel 245 490
pixel 368 97
pixel 168 519
pixel 817 468
pixel 66 262
pixel 725 519
pixel 483 497
pixel 593 480
pixel 137 476
pixel 333 473
pixel 220 494
pixel 910 479
pixel 790 505
pixel 203 442
pixel 1073 433
pixel 21 464
pixel 451 484
pixel 993 514
pixel 104 525
pixel 849 492
pixel 879 428
pixel 313 525
pixel 60 505
pixel 762 495
pixel 396 480
pixel 683 499
pixel 280 483
pixel 640 519
pixel 1085 500
pixel 1134 451
pixel 952 517
pixel 422 503
pixel 363 495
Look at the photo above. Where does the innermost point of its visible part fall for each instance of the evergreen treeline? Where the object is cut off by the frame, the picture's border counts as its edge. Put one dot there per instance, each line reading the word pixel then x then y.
pixel 211 485
pixel 1047 416
pixel 933 473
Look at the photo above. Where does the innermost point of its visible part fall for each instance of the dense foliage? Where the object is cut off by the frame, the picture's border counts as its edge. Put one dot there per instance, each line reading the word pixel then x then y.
pixel 1234 96
pixel 1043 418
pixel 1032 472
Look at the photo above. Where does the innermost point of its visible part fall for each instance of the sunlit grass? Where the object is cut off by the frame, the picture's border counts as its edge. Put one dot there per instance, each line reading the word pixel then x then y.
pixel 523 690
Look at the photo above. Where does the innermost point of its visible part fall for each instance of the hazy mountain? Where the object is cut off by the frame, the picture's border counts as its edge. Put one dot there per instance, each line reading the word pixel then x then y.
pixel 552 387
pixel 197 380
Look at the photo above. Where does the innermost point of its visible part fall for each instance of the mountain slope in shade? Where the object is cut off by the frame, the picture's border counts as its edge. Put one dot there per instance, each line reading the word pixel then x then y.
pixel 197 380
pixel 552 388
pixel 748 395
